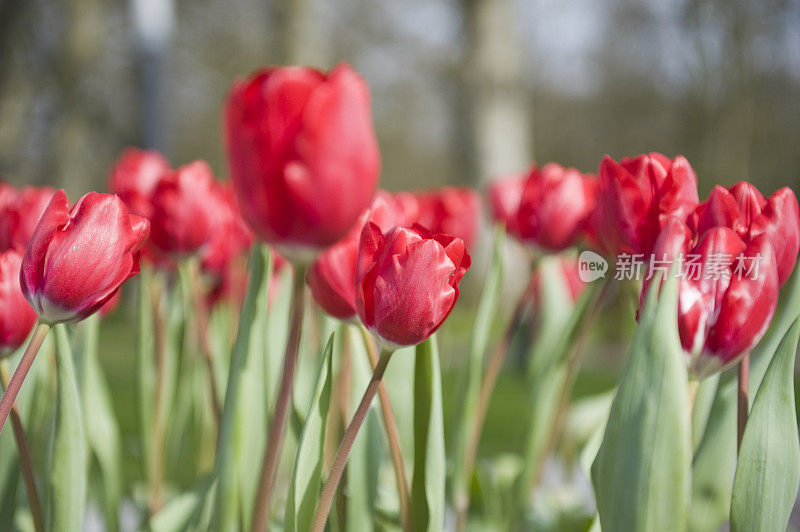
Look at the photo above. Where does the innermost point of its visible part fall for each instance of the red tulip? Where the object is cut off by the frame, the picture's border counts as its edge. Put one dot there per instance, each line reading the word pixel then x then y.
pixel 332 274
pixel 20 211
pixel 302 154
pixel 452 211
pixel 636 198
pixel 230 236
pixel 555 206
pixel 134 178
pixel 186 203
pixel 728 292
pixel 77 258
pixel 505 195
pixel 16 315
pixel 743 209
pixel 407 281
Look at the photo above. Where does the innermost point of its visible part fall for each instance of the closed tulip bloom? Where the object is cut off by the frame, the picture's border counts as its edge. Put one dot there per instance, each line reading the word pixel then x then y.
pixel 505 195
pixel 407 281
pixel 17 317
pixel 636 198
pixel 728 293
pixel 77 258
pixel 743 209
pixel 185 203
pixel 451 210
pixel 331 276
pixel 20 211
pixel 303 155
pixel 134 178
pixel 555 206
pixel 230 236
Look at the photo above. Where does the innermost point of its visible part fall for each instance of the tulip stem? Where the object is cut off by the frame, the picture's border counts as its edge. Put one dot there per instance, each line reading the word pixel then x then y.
pixel 160 408
pixel 491 374
pixel 277 426
pixel 201 314
pixel 10 395
pixel 25 461
pixel 392 435
pixel 340 461
pixel 744 399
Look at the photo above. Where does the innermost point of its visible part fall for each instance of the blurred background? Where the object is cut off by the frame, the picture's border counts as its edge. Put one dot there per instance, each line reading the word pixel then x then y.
pixel 462 90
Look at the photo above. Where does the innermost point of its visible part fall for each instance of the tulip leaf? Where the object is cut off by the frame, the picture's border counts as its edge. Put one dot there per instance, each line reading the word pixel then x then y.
pixel 68 467
pixel 102 431
pixel 641 475
pixel 427 486
pixel 306 479
pixel 186 511
pixel 715 458
pixel 9 474
pixel 484 317
pixel 768 468
pixel 226 505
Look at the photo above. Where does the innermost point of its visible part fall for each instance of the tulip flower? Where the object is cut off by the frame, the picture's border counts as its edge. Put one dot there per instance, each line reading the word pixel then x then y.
pixel 636 198
pixel 728 292
pixel 230 236
pixel 186 203
pixel 743 209
pixel 78 258
pixel 407 281
pixel 451 210
pixel 303 155
pixel 134 178
pixel 505 195
pixel 20 211
pixel 331 276
pixel 17 317
pixel 555 206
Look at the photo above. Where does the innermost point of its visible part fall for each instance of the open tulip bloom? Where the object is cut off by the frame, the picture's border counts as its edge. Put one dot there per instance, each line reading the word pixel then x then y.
pixel 707 386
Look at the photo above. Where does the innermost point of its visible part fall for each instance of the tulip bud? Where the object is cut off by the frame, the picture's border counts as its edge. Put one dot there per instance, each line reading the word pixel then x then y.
pixel 452 211
pixel 134 178
pixel 724 306
pixel 77 258
pixel 16 315
pixel 555 206
pixel 332 274
pixel 636 198
pixel 505 195
pixel 20 211
pixel 185 203
pixel 230 236
pixel 407 281
pixel 743 209
pixel 303 155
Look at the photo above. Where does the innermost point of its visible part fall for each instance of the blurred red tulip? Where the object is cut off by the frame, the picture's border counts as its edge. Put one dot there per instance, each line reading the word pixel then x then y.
pixel 111 305
pixel 17 317
pixel 743 209
pixel 20 211
pixel 728 292
pixel 407 281
pixel 332 274
pixel 636 198
pixel 134 178
pixel 230 236
pixel 452 211
pixel 505 195
pixel 303 155
pixel 186 204
pixel 78 258
pixel 555 206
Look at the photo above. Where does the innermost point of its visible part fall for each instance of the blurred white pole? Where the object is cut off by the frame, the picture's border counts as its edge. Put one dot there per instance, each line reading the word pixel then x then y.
pixel 153 25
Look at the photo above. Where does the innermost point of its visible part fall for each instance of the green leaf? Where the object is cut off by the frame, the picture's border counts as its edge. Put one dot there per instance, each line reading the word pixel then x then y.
pixel 480 338
pixel 102 431
pixel 306 477
pixel 427 486
pixel 715 457
pixel 9 473
pixel 641 475
pixel 768 468
pixel 186 511
pixel 68 467
pixel 226 504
